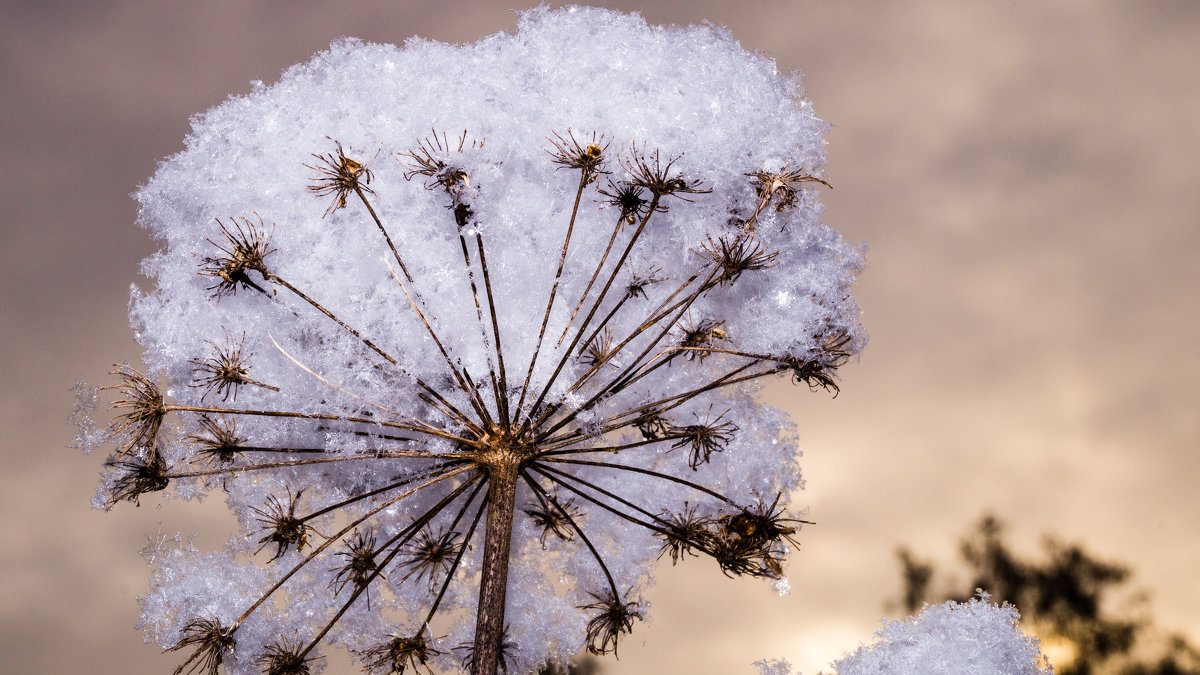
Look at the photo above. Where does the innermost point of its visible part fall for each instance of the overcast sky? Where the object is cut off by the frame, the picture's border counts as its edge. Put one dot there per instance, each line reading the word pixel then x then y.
pixel 1026 176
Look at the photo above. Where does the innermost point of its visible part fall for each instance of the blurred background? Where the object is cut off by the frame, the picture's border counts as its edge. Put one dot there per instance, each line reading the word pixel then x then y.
pixel 1026 175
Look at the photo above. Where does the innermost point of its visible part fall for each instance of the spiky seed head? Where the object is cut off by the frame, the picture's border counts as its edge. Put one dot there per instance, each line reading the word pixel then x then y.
pixel 136 477
pixel 360 565
pixel 431 553
pixel 244 249
pixel 552 520
pixel 286 657
pixel 282 526
pixel 138 428
pixel 218 439
pixel 397 654
pixel 736 255
pixel 569 154
pixel 629 198
pixel 685 533
pixel 648 172
pixel 211 641
pixel 614 618
pixel 338 175
pixel 703 439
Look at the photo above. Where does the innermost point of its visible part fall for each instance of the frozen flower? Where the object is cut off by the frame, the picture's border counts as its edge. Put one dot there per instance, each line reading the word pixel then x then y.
pixel 464 362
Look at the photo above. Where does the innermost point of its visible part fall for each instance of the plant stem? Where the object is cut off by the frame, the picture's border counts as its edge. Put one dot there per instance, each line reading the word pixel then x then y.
pixel 497 543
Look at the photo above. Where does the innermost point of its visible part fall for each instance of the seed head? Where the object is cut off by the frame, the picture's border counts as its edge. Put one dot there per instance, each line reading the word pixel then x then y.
pixel 139 427
pixel 137 477
pixel 360 564
pixel 224 371
pixel 218 440
pixel 431 554
pixel 782 186
pixel 614 618
pixel 630 198
pixel 735 255
pixel 553 520
pixel 245 248
pixel 285 657
pixel 702 440
pixel 397 654
pixel 338 175
pixel 211 640
pixel 686 533
pixel 282 526
pixel 569 154
pixel 648 172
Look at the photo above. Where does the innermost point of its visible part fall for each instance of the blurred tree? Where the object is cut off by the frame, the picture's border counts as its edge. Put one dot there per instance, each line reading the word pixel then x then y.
pixel 1066 598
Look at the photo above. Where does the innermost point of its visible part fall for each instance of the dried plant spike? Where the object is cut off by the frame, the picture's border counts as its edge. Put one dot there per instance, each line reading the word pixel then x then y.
pixel 687 533
pixel 554 520
pixel 399 654
pixel 698 334
pixel 282 526
pixel 569 154
pixel 614 619
pixel 736 255
pixel 703 439
pixel 286 657
pixel 338 175
pixel 140 396
pixel 360 567
pixel 136 477
pixel 212 642
pixel 225 370
pixel 431 555
pixel 630 198
pixel 245 248
pixel 650 173
pixel 218 440
pixel 781 187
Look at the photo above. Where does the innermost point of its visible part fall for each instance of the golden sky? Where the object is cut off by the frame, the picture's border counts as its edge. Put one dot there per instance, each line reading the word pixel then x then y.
pixel 1026 176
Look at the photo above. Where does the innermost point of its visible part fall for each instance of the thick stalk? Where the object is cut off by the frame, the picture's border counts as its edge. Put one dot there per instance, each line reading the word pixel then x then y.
pixel 489 621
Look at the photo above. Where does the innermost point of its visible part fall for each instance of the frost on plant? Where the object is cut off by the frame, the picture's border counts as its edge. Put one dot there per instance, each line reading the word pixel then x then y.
pixel 469 337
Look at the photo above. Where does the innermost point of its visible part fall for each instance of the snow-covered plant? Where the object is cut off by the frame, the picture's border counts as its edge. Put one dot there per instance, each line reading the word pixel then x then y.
pixel 969 638
pixel 462 389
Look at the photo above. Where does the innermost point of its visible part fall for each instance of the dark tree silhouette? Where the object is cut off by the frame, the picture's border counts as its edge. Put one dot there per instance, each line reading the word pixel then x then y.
pixel 1067 595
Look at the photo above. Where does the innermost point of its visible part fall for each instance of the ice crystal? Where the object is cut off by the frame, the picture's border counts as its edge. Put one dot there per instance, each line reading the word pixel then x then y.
pixel 437 320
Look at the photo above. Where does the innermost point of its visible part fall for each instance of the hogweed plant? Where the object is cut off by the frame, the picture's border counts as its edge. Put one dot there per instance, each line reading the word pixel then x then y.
pixel 463 389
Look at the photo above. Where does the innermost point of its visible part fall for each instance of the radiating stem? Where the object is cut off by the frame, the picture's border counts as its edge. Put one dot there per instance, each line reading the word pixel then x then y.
pixel 562 259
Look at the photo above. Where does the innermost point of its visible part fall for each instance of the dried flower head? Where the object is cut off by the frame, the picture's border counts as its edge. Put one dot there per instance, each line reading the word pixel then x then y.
pixel 614 618
pixel 629 197
pixel 433 554
pixel 360 568
pixel 135 477
pixel 338 175
pixel 703 439
pixel 554 516
pixel 736 255
pixel 695 335
pixel 211 641
pixel 138 428
pixel 282 526
pixel 649 172
pixel 245 249
pixel 686 533
pixel 587 159
pixel 225 370
pixel 218 440
pixel 781 187
pixel 398 654
pixel 286 657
